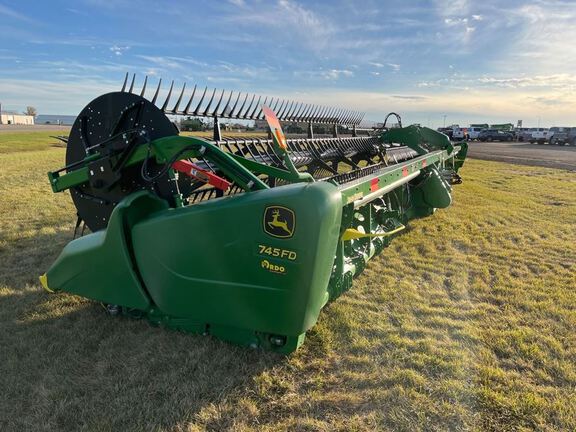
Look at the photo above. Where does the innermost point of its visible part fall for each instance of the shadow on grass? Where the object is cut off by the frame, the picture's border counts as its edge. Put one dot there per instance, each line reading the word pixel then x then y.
pixel 67 365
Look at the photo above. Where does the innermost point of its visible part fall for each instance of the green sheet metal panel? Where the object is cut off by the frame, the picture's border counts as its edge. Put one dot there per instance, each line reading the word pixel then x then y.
pixel 99 266
pixel 258 261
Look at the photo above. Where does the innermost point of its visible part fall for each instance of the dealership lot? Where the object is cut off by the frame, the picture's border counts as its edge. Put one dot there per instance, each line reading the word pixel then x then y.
pixel 563 157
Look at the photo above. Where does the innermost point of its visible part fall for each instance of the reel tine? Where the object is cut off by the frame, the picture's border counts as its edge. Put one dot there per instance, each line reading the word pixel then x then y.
pixel 144 86
pixel 330 117
pixel 306 115
pixel 296 115
pixel 324 115
pixel 132 83
pixel 354 119
pixel 190 100
pixel 175 109
pixel 321 114
pixel 300 115
pixel 201 100
pixel 205 113
pixel 327 114
pixel 350 119
pixel 336 118
pixel 349 114
pixel 248 109
pixel 238 114
pixel 260 110
pixel 291 110
pixel 314 113
pixel 256 107
pixel 125 82
pixel 157 91
pixel 168 97
pixel 283 107
pixel 341 115
pixel 209 103
pixel 290 113
pixel 227 106
pixel 244 116
pixel 236 103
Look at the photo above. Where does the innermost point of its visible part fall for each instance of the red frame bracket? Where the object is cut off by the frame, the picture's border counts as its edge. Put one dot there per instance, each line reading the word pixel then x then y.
pixel 192 170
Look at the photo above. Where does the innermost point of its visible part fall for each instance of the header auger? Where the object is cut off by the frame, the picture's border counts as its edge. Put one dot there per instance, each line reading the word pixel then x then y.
pixel 242 238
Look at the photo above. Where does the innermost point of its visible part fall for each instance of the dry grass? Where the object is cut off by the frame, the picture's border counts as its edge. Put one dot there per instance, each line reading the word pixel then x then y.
pixel 467 322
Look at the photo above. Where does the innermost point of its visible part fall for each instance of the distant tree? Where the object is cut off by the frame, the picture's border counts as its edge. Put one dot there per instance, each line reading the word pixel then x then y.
pixel 293 129
pixel 192 124
pixel 31 111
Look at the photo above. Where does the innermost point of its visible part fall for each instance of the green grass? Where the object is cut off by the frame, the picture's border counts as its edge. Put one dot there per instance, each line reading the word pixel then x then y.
pixel 11 142
pixel 467 322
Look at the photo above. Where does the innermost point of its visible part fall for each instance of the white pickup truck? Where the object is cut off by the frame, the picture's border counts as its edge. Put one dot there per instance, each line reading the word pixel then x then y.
pixel 539 135
pixel 459 133
pixel 473 132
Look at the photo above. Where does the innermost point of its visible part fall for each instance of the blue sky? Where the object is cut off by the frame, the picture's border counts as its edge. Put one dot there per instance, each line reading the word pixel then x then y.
pixel 470 61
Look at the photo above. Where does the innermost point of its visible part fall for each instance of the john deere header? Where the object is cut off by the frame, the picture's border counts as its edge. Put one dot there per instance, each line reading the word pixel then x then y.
pixel 245 239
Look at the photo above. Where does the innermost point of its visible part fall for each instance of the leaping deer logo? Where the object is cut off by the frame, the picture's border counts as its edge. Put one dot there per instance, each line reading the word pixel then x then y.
pixel 279 222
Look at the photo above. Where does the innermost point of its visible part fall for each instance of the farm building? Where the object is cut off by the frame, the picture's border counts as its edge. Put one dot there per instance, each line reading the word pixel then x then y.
pixel 7 117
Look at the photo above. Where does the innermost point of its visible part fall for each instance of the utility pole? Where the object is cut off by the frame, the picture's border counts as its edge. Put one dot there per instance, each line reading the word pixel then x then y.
pixel 444 119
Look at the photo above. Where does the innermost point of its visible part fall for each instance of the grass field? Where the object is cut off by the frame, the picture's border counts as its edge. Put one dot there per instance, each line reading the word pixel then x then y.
pixel 467 322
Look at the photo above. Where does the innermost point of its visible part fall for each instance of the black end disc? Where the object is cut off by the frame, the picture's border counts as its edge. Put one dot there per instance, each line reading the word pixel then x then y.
pixel 108 125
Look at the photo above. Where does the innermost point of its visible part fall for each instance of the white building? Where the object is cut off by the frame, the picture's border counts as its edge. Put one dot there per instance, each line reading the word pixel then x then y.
pixel 15 118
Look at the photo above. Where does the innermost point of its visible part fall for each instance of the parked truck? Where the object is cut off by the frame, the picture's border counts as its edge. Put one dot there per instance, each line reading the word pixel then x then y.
pixel 539 135
pixel 562 135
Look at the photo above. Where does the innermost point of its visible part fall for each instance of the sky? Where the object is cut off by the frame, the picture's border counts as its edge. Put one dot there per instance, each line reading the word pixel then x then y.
pixel 434 62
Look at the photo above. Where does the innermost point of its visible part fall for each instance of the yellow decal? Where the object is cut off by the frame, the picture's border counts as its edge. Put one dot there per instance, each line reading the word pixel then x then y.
pixel 355 197
pixel 272 267
pixel 277 252
pixel 352 234
pixel 279 221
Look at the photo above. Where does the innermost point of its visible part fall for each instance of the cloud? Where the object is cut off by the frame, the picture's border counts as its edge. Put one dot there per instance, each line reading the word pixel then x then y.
pixel 546 32
pixel 410 97
pixel 72 96
pixel 452 7
pixel 554 81
pixel 118 50
pixel 11 13
pixel 305 26
pixel 395 67
pixel 328 74
pixel 334 74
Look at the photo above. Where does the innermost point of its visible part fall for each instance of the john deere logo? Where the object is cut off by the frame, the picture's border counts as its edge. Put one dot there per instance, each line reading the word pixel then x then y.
pixel 279 221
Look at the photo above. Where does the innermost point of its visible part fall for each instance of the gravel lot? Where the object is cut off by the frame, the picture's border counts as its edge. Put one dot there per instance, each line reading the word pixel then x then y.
pixel 563 157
